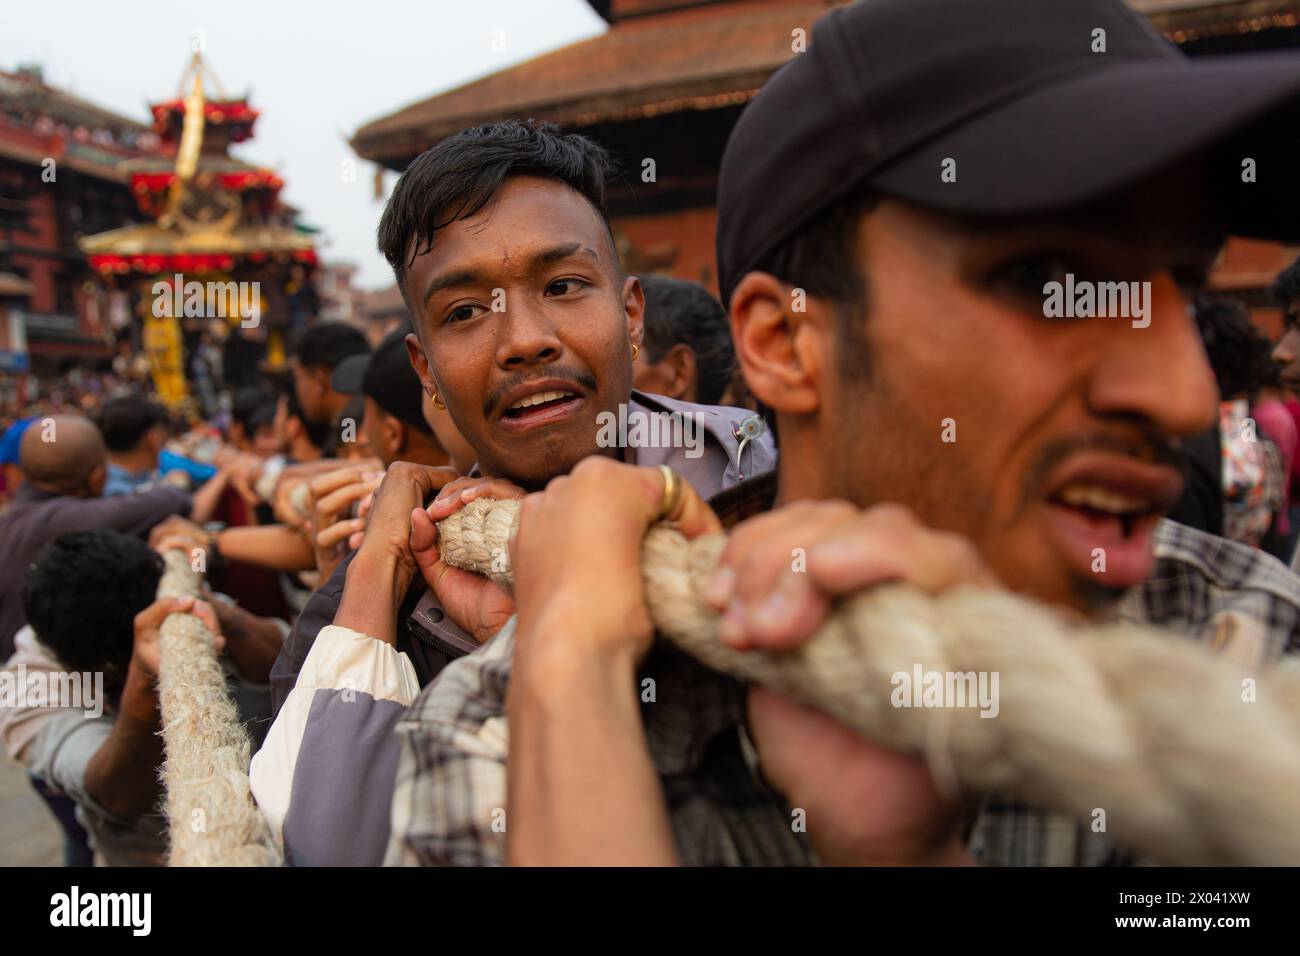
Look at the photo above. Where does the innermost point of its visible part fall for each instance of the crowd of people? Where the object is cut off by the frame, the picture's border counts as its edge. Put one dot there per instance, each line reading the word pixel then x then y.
pixel 881 319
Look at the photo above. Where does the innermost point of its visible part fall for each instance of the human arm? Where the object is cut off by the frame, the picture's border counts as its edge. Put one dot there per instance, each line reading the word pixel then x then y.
pixel 581 786
pixel 865 804
pixel 122 776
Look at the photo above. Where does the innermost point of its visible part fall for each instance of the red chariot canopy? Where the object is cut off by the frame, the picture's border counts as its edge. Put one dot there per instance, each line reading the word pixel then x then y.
pixel 190 263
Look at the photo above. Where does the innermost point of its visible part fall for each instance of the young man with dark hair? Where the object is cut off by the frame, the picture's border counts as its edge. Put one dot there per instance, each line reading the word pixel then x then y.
pixel 1286 293
pixel 688 353
pixel 136 431
pixel 889 293
pixel 302 438
pixel 252 420
pixel 90 599
pixel 393 420
pixel 318 352
pixel 526 330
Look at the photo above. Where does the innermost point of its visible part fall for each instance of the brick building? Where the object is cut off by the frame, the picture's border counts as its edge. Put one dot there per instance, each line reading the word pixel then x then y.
pixel 59 180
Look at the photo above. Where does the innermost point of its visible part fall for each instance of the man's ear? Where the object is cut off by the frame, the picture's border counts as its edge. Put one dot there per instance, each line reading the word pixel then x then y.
pixel 679 365
pixel 393 434
pixel 415 352
pixel 779 348
pixel 634 309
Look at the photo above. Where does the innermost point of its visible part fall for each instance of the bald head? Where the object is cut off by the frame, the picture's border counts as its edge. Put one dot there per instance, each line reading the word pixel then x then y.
pixel 64 454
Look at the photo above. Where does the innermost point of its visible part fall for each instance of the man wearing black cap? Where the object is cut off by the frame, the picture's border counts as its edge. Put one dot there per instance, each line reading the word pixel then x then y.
pixel 394 421
pixel 896 208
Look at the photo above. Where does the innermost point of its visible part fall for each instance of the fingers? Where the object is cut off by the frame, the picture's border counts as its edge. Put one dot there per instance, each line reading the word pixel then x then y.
pixel 930 560
pixel 780 573
pixel 151 618
pixel 462 491
pixel 696 518
pixel 340 499
pixel 423 531
pixel 339 531
pixel 172 542
pixel 204 612
pixel 759 551
pixel 332 481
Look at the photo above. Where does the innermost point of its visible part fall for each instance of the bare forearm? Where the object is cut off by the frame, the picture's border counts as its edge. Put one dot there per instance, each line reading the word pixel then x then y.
pixel 252 642
pixel 372 593
pixel 582 789
pixel 208 496
pixel 272 546
pixel 122 777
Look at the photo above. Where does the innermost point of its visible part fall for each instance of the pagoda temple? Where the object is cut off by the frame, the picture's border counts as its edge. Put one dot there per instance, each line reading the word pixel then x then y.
pixel 216 221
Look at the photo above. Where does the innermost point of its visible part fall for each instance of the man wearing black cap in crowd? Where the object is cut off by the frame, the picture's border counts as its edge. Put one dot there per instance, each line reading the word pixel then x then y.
pixel 894 208
pixel 393 427
pixel 394 421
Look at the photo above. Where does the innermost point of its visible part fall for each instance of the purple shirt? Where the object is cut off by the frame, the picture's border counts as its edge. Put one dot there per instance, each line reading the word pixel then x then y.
pixel 38 517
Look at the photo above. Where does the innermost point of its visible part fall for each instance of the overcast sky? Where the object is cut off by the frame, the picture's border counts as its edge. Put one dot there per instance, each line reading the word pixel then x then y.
pixel 316 70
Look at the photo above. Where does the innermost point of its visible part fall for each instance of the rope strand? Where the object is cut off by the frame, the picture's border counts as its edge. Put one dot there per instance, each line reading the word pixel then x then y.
pixel 1146 726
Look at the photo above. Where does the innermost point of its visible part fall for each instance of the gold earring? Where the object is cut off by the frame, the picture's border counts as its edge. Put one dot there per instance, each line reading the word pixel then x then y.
pixel 636 350
pixel 437 402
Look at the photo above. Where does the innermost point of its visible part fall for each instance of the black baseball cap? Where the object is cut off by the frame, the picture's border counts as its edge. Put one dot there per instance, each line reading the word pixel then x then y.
pixel 387 377
pixel 1013 92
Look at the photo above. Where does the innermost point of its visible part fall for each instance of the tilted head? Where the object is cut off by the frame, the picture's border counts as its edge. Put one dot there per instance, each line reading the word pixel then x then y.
pixel 688 353
pixel 133 423
pixel 524 321
pixel 898 295
pixel 317 353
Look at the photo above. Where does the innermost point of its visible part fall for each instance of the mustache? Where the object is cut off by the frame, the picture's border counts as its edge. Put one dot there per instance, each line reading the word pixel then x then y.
pixel 580 377
pixel 1145 446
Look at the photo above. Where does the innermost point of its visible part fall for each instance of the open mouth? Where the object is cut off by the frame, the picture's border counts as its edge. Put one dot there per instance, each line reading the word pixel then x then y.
pixel 539 407
pixel 1103 519
pixel 1104 506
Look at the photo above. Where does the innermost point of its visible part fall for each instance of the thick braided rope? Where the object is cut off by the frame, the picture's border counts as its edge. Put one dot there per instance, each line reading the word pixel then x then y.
pixel 1149 727
pixel 210 811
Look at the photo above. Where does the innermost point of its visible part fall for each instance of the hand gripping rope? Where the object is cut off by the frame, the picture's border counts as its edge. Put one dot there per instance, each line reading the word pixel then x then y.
pixel 211 815
pixel 1148 726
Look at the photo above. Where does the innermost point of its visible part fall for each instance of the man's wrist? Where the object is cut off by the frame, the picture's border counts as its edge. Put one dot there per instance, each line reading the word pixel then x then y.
pixel 559 651
pixel 373 590
pixel 140 693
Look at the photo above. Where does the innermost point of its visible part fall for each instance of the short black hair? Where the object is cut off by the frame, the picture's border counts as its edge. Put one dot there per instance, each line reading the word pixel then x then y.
pixel 1239 353
pixel 1286 287
pixel 823 259
pixel 459 176
pixel 125 421
pixel 253 406
pixel 680 311
pixel 318 433
pixel 81 595
pixel 326 344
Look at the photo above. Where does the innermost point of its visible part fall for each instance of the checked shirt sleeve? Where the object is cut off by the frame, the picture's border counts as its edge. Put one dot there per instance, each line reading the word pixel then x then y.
pixel 449 802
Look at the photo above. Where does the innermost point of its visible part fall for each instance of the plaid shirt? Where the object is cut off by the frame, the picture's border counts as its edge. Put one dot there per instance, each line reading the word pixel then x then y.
pixel 449 803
